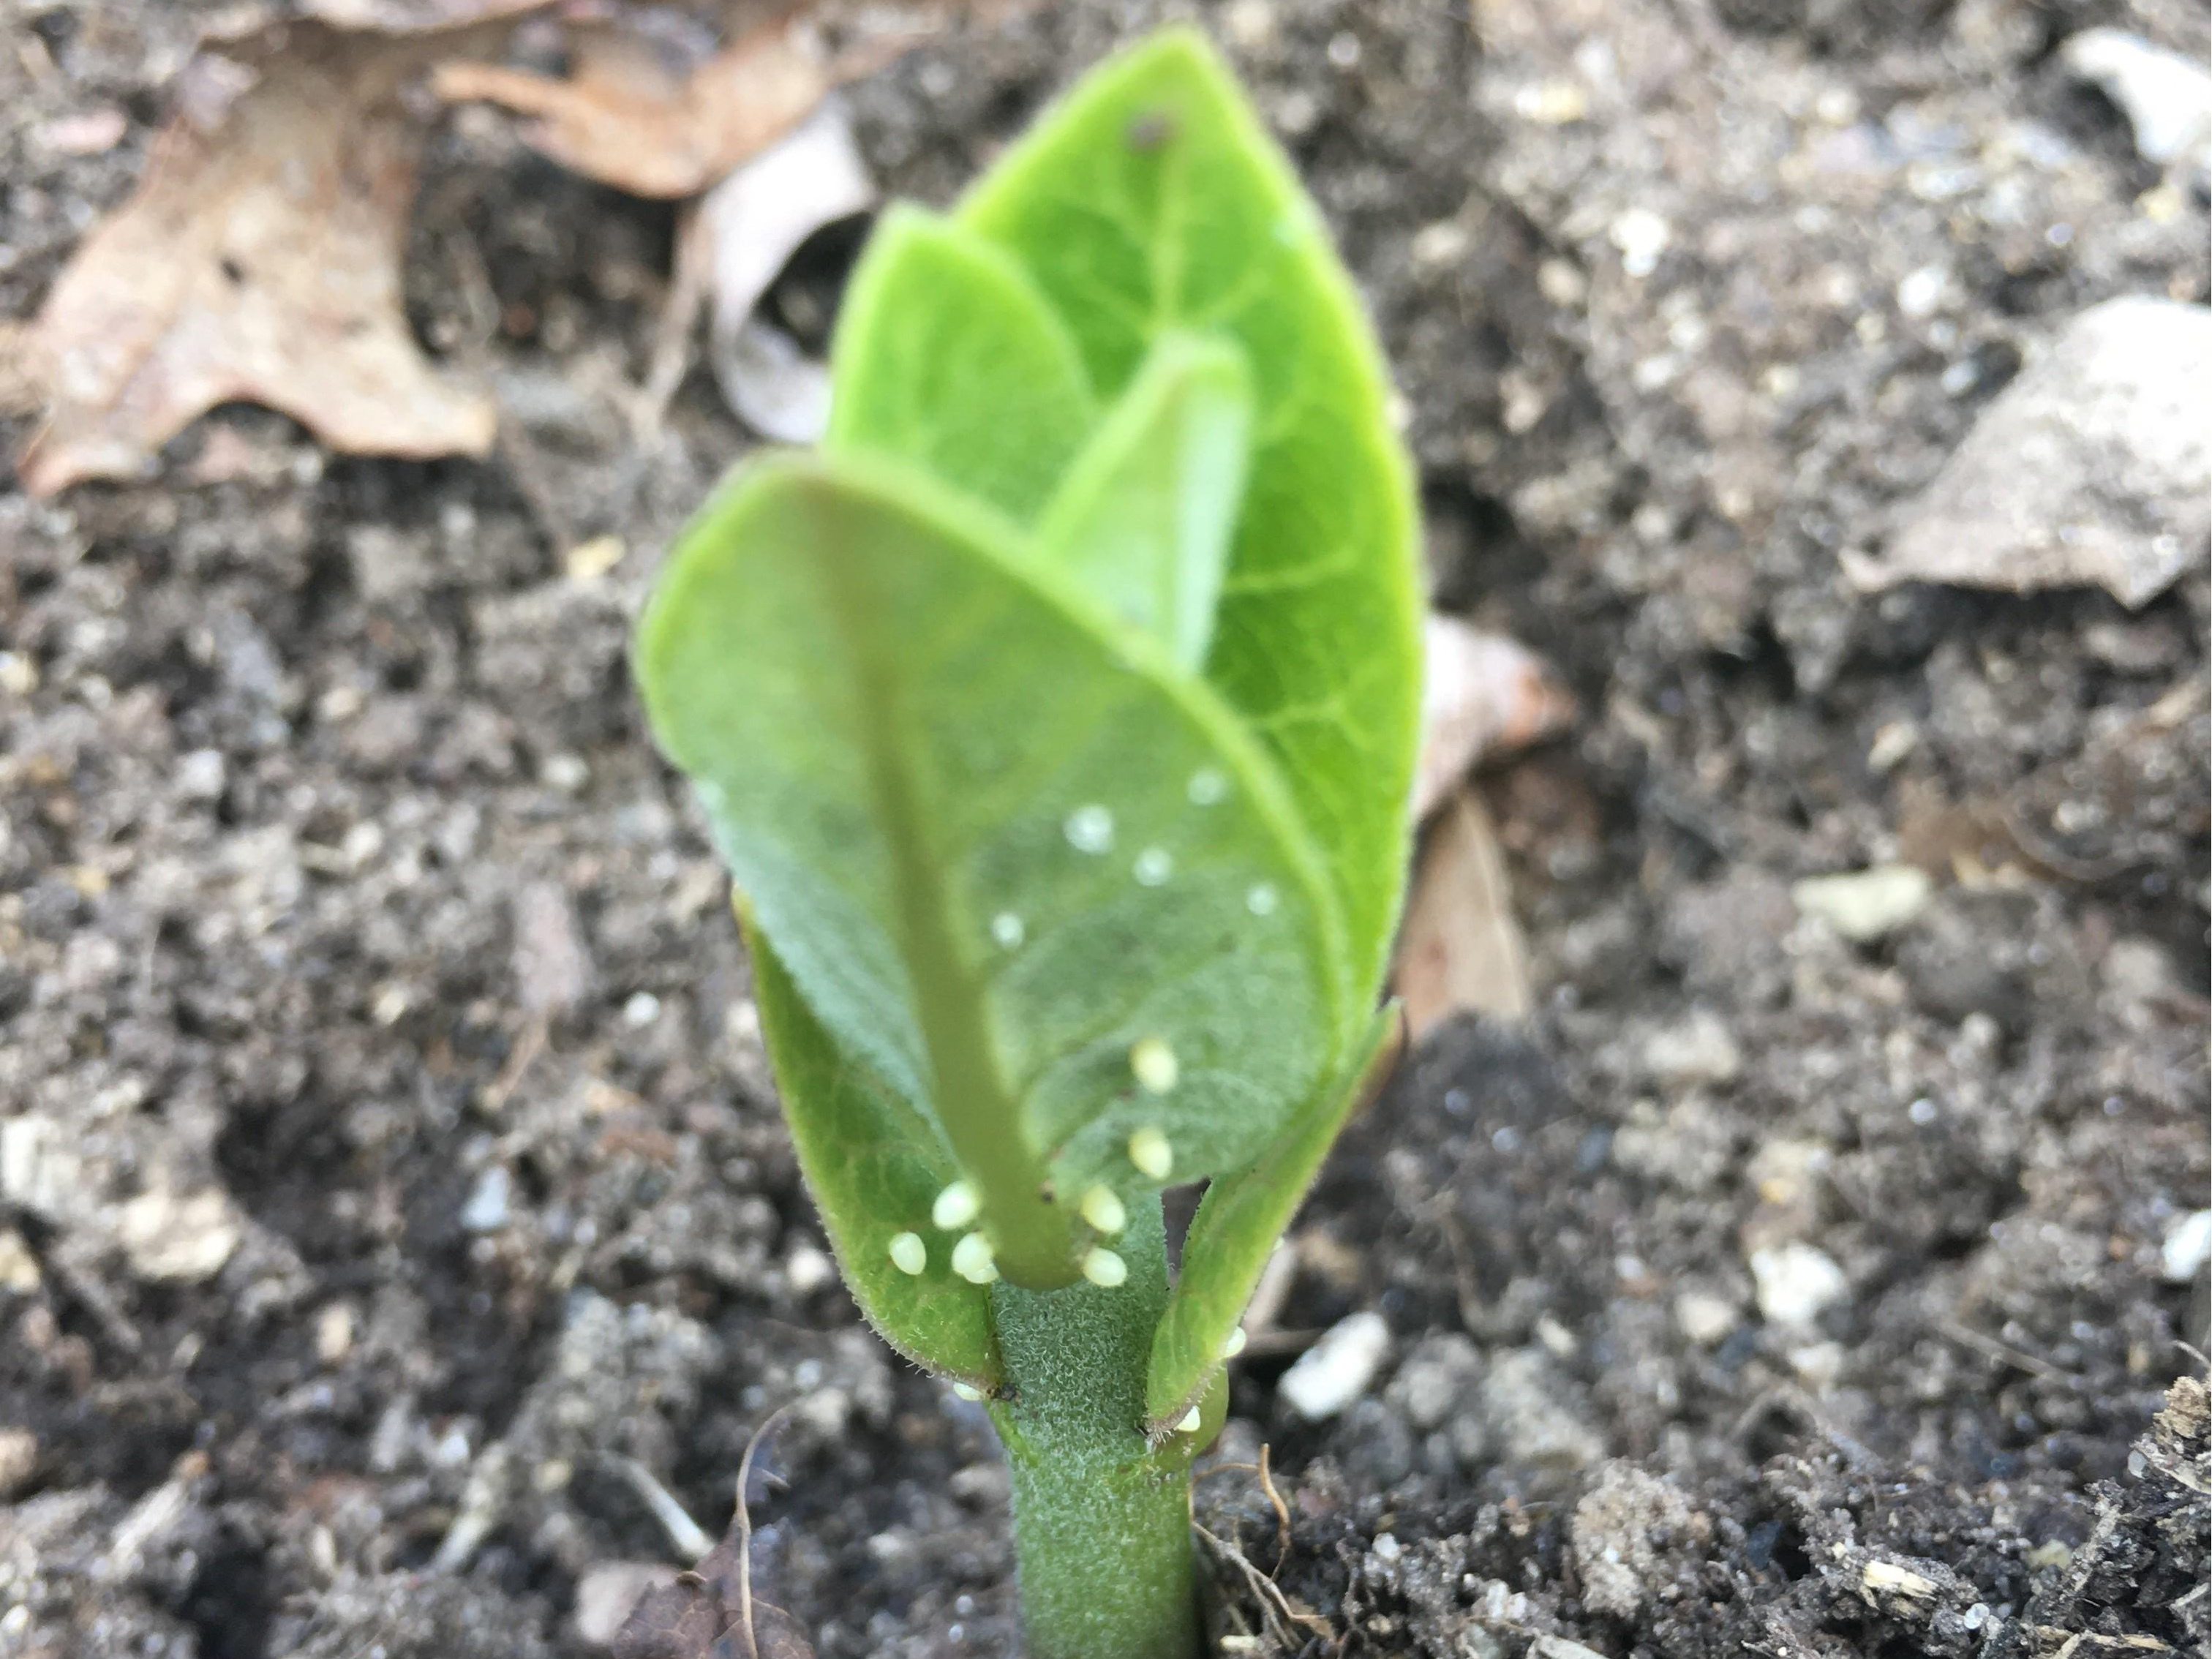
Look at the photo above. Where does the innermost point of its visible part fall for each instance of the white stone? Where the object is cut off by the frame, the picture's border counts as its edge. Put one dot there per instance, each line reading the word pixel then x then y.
pixel 2092 468
pixel 183 1238
pixel 1339 1368
pixel 2188 1245
pixel 1863 905
pixel 1705 1319
pixel 808 1270
pixel 486 1210
pixel 1699 1050
pixel 1642 236
pixel 1796 1282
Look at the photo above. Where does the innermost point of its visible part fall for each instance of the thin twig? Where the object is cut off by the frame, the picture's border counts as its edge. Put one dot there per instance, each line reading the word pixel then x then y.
pixel 1267 1485
pixel 745 1526
pixel 2003 1353
pixel 527 1048
pixel 1274 1606
pixel 690 1538
pixel 1282 1510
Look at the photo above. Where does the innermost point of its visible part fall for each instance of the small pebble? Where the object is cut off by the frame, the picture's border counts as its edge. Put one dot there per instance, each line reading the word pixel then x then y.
pixel 1817 1364
pixel 1864 905
pixel 589 560
pixel 19 1461
pixel 1642 236
pixel 2168 98
pixel 19 1268
pixel 177 1237
pixel 201 774
pixel 808 1270
pixel 567 773
pixel 1796 1283
pixel 2188 1245
pixel 609 1591
pixel 486 1210
pixel 1339 1368
pixel 1698 1050
pixel 334 1334
pixel 1705 1319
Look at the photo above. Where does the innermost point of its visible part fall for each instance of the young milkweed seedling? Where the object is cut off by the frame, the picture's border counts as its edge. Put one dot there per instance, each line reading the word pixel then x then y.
pixel 1056 719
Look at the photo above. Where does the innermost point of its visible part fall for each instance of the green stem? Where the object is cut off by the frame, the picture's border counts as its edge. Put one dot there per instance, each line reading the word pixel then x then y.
pixel 1102 1519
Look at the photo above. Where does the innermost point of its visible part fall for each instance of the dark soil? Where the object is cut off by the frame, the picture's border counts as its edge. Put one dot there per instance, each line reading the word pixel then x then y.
pixel 323 785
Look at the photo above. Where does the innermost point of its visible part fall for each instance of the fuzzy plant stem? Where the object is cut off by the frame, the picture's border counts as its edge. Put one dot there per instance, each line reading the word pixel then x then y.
pixel 1102 1520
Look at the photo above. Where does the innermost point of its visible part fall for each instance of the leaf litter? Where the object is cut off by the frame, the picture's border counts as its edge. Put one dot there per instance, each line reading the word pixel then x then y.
pixel 749 226
pixel 714 1609
pixel 261 259
pixel 632 115
pixel 1483 696
pixel 258 260
pixel 1461 949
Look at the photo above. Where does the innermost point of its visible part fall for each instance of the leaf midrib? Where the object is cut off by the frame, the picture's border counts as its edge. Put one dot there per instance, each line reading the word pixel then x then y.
pixel 970 1100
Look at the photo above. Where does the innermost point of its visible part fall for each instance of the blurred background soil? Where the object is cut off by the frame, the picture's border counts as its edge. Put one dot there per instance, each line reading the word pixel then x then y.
pixel 392 1199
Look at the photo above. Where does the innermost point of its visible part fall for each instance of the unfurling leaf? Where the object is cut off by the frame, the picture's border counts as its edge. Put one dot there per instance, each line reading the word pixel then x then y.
pixel 1057 722
pixel 1151 202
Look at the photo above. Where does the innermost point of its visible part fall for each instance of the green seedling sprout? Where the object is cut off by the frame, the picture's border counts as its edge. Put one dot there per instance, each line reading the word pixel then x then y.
pixel 1056 719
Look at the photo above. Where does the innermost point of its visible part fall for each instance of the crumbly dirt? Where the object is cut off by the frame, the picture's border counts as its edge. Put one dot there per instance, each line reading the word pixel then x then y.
pixel 328 1326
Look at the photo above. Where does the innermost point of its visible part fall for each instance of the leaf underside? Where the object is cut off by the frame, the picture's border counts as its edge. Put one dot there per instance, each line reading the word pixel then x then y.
pixel 872 1167
pixel 1066 704
pixel 865 764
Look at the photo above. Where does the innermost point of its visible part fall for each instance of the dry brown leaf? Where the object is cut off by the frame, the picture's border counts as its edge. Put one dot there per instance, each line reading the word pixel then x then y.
pixel 629 114
pixel 258 260
pixel 1484 695
pixel 714 1610
pixel 1461 949
pixel 628 118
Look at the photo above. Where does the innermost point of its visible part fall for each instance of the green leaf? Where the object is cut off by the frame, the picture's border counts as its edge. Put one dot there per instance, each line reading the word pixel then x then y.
pixel 872 1164
pixel 997 842
pixel 1144 519
pixel 948 356
pixel 1152 201
pixel 1237 1228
